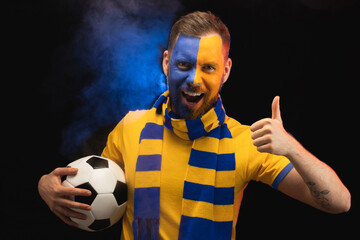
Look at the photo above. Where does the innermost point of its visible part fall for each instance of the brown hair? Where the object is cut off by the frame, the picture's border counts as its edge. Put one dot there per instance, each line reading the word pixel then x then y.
pixel 197 24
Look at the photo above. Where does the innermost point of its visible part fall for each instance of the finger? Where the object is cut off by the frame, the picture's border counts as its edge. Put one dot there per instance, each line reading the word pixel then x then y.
pixel 262 141
pixel 259 124
pixel 261 132
pixel 72 204
pixel 265 148
pixel 275 107
pixel 66 219
pixel 67 212
pixel 64 171
pixel 70 191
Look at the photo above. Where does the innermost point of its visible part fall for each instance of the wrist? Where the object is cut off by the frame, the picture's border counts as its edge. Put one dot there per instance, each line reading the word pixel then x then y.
pixel 294 148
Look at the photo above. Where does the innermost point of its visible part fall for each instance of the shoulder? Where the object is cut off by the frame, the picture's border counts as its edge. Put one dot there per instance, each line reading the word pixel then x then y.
pixel 237 129
pixel 241 135
pixel 134 117
pixel 132 122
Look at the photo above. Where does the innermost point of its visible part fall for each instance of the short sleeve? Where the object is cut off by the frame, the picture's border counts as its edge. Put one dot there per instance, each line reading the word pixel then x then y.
pixel 268 168
pixel 122 143
pixel 114 145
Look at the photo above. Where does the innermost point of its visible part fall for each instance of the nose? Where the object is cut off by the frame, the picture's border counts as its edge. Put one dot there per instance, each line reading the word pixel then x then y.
pixel 193 86
pixel 198 78
pixel 191 76
pixel 194 77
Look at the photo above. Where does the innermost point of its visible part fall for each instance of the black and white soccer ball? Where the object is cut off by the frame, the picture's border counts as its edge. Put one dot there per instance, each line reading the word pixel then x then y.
pixel 106 181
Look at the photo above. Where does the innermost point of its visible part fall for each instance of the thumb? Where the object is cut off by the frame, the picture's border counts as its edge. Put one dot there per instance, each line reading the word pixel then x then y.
pixel 276 108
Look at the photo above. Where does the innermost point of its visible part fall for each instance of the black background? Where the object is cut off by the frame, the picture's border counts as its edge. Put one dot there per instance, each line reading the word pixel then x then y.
pixel 308 53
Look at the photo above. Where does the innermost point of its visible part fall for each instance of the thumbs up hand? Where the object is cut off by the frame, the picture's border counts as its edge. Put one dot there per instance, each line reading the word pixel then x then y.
pixel 269 135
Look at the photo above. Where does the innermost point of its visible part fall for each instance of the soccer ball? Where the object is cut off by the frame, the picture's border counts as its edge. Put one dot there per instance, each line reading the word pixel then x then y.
pixel 106 181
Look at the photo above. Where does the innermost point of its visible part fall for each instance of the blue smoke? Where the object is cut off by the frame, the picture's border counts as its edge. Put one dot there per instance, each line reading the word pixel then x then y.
pixel 121 43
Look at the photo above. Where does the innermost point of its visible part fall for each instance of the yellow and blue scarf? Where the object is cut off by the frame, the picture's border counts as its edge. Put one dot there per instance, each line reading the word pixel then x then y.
pixel 208 196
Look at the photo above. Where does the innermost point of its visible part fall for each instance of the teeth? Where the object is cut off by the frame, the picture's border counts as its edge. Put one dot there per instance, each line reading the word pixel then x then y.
pixel 192 94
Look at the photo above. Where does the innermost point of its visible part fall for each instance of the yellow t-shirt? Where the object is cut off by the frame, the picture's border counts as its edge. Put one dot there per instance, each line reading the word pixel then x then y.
pixel 123 147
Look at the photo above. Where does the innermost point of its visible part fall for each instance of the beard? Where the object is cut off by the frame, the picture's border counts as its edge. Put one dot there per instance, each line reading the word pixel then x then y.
pixel 188 113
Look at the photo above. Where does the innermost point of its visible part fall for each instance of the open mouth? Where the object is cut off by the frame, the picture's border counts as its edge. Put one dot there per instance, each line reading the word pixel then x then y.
pixel 192 98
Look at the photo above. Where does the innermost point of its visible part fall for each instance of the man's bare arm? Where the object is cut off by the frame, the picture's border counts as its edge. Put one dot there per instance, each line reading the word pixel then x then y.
pixel 312 181
pixel 315 183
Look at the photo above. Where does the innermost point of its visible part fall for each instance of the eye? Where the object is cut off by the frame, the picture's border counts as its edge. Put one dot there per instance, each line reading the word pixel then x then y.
pixel 208 68
pixel 184 65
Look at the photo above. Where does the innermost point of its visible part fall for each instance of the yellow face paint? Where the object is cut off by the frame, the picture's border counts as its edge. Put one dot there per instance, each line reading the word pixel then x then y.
pixel 210 64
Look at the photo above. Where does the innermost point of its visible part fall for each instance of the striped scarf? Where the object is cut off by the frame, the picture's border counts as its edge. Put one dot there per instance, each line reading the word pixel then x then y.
pixel 208 196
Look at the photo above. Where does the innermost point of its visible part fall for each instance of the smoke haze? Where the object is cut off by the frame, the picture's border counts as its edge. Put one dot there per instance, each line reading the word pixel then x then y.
pixel 114 62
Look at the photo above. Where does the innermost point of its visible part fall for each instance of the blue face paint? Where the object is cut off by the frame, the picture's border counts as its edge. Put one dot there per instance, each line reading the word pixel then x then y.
pixel 183 59
pixel 182 69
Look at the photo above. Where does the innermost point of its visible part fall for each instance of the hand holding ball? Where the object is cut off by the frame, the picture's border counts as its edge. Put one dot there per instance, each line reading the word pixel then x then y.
pixel 106 181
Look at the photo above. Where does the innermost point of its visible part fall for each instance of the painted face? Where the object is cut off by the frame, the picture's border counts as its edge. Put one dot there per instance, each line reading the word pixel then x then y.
pixel 195 74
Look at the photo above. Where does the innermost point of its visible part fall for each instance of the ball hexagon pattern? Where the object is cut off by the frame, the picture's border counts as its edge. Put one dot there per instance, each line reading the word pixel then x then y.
pixel 106 181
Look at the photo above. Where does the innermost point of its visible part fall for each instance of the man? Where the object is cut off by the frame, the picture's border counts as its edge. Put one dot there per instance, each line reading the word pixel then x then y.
pixel 187 163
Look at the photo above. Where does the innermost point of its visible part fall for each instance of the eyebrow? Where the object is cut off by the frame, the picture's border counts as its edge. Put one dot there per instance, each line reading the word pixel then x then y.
pixel 213 64
pixel 185 58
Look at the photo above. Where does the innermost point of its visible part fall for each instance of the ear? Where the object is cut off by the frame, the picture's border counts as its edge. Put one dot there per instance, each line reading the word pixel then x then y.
pixel 165 63
pixel 227 68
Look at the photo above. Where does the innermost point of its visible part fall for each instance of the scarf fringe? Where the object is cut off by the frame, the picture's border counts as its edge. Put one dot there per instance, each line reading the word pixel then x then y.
pixel 146 229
